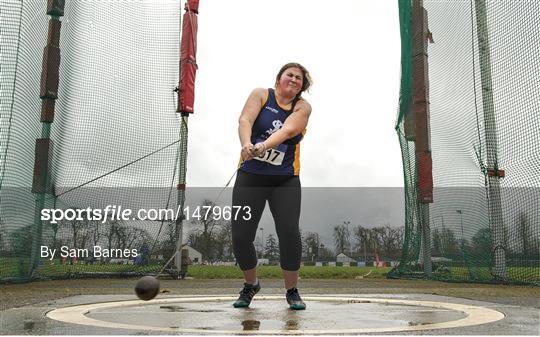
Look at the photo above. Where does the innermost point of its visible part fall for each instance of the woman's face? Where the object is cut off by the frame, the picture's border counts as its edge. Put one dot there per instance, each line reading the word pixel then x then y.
pixel 291 81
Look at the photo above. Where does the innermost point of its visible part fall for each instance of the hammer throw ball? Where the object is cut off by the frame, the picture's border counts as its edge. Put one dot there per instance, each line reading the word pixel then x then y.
pixel 147 288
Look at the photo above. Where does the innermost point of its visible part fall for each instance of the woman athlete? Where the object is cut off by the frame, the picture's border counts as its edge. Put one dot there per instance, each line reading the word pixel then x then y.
pixel 271 126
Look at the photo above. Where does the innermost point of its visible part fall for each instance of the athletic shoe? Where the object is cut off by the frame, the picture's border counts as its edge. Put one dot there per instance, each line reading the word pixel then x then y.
pixel 246 295
pixel 294 299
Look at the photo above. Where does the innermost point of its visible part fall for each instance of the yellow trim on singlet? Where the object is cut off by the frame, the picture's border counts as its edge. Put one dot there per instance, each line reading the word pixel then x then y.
pixel 296 161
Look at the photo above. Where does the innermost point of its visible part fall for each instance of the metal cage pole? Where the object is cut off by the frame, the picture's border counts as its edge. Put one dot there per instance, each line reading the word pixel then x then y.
pixel 181 188
pixel 186 100
pixel 494 173
pixel 422 138
pixel 41 184
pixel 182 162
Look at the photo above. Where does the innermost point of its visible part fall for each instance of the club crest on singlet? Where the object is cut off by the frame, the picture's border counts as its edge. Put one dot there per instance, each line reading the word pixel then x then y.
pixel 277 124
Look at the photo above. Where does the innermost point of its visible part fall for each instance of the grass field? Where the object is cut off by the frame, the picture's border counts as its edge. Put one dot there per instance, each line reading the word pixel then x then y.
pixel 527 274
pixel 274 272
pixel 11 268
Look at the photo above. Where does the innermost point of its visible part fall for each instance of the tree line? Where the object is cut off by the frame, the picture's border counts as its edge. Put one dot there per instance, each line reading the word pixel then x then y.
pixel 213 238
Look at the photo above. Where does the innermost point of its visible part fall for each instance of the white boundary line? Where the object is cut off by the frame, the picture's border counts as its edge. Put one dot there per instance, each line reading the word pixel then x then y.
pixel 474 315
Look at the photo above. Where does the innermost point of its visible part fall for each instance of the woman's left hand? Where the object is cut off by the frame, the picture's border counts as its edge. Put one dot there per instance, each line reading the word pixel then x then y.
pixel 258 149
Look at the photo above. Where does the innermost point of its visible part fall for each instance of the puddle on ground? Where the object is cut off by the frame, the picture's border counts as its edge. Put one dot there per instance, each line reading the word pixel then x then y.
pixel 276 315
pixel 176 308
pixel 251 324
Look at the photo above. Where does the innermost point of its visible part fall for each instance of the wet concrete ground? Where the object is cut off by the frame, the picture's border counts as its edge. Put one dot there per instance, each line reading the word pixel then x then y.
pixel 519 305
pixel 271 314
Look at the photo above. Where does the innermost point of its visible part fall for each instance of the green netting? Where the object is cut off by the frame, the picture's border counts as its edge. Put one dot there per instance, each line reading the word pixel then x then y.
pixel 484 118
pixel 118 70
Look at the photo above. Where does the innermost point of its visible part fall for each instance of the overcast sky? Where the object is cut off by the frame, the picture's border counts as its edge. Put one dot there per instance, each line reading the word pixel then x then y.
pixel 352 50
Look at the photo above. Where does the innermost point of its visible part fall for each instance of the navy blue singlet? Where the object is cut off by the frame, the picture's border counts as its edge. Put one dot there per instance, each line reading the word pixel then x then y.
pixel 284 159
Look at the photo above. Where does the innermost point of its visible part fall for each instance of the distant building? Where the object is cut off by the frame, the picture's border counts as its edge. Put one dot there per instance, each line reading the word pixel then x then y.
pixel 194 255
pixel 344 258
pixel 261 262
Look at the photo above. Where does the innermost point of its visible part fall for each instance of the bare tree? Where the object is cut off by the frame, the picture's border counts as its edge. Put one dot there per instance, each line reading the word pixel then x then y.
pixel 55 228
pixel 449 244
pixel 167 247
pixel 21 241
pixel 96 232
pixel 400 233
pixel 226 235
pixel 526 233
pixel 482 242
pixel 362 238
pixel 128 237
pixel 75 227
pixel 311 241
pixel 205 227
pixel 389 239
pixel 325 252
pixel 109 231
pixel 384 240
pixel 303 243
pixel 223 242
pixel 79 230
pixel 437 243
pixel 377 234
pixel 341 238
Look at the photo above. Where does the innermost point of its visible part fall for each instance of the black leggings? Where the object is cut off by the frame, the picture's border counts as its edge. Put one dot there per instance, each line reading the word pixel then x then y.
pixel 283 194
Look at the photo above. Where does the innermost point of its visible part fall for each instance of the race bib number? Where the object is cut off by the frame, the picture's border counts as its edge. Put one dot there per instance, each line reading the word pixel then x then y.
pixel 273 156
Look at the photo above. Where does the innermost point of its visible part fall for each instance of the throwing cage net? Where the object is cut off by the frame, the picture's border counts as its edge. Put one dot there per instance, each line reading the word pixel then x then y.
pixel 469 131
pixel 116 138
pixel 468 127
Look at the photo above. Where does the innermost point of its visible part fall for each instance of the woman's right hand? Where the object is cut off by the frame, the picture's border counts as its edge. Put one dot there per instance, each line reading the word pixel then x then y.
pixel 247 153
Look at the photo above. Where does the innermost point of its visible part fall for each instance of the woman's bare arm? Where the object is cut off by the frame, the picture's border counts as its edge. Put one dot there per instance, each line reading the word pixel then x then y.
pixel 294 125
pixel 248 116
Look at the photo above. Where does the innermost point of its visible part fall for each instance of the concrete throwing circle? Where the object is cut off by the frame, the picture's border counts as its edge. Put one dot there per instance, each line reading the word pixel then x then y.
pixel 271 315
